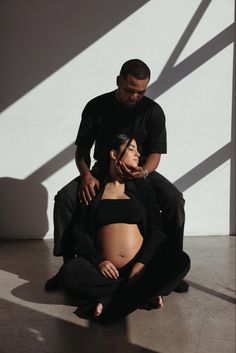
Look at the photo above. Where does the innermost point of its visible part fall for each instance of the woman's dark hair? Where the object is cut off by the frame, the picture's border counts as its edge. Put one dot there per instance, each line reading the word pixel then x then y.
pixel 114 144
pixel 136 68
pixel 118 142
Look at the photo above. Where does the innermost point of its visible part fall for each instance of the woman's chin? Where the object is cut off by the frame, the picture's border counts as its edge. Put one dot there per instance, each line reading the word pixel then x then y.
pixel 133 168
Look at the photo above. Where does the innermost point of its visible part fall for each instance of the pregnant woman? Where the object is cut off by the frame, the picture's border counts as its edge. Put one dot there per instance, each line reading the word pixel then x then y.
pixel 123 261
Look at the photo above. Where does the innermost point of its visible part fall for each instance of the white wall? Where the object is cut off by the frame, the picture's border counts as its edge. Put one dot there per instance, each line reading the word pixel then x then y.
pixel 52 68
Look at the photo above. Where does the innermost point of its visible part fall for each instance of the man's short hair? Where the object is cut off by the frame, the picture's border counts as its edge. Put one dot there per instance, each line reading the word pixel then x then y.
pixel 136 68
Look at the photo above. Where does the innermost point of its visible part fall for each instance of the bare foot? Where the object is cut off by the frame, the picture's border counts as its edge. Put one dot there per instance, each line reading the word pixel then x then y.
pixel 98 310
pixel 160 302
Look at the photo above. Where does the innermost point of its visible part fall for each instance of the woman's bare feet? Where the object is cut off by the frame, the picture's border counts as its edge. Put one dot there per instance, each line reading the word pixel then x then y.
pixel 160 303
pixel 98 310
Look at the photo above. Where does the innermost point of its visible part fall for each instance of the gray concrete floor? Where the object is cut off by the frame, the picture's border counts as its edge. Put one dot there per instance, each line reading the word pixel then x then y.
pixel 200 321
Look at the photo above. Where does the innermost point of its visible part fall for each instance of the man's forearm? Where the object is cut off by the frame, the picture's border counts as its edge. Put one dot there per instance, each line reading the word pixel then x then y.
pixel 82 160
pixel 151 162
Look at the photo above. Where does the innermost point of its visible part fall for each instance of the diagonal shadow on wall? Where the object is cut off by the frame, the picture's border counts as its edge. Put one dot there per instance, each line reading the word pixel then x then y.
pixel 38 37
pixel 169 76
pixel 172 74
pixel 207 51
pixel 185 68
pixel 233 149
pixel 204 168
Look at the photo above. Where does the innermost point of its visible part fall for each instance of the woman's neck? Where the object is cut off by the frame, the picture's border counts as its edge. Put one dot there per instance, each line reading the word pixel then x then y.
pixel 114 176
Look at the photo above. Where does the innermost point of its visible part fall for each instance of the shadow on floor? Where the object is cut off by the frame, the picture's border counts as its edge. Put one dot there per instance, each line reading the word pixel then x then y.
pixel 212 292
pixel 33 331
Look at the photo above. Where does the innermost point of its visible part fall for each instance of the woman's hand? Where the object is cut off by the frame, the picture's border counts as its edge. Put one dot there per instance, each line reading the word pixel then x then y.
pixel 88 188
pixel 136 270
pixel 108 269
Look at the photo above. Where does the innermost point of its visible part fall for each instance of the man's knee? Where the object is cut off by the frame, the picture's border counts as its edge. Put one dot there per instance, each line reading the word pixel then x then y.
pixel 174 197
pixel 68 192
pixel 64 209
pixel 68 273
pixel 168 196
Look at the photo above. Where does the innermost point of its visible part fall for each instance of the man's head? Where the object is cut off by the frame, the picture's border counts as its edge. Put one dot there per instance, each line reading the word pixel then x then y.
pixel 132 82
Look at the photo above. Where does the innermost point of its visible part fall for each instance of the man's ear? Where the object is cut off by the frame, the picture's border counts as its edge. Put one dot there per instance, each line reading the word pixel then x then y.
pixel 113 155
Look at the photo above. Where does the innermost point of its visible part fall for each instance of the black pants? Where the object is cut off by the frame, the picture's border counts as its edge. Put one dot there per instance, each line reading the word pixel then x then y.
pixel 170 200
pixel 87 286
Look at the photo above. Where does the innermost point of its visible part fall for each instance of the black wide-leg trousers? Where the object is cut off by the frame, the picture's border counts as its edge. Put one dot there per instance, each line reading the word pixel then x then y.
pixel 87 286
pixel 170 201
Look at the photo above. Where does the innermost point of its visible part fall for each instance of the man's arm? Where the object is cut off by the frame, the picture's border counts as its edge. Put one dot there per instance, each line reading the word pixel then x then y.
pixel 150 164
pixel 82 159
pixel 89 184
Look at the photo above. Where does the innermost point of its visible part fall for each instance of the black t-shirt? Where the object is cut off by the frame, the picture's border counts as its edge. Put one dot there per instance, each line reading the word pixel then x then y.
pixel 105 117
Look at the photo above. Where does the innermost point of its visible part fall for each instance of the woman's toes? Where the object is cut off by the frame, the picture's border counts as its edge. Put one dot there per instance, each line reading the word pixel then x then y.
pixel 98 310
pixel 160 301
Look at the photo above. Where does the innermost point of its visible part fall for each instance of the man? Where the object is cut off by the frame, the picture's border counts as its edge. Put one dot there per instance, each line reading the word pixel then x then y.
pixel 125 110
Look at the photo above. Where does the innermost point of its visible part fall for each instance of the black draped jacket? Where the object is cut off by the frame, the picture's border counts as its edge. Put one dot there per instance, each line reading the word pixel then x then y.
pixel 150 227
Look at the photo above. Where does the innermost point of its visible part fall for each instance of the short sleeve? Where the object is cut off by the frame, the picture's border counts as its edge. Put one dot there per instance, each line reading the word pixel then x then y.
pixel 156 131
pixel 87 129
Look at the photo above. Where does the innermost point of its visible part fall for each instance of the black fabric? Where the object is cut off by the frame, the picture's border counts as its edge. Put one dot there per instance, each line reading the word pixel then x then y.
pixel 104 117
pixel 67 209
pixel 111 211
pixel 140 192
pixel 87 286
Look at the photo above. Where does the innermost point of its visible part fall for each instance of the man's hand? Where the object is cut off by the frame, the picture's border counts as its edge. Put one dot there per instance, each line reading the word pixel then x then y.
pixel 88 188
pixel 108 269
pixel 128 173
pixel 136 270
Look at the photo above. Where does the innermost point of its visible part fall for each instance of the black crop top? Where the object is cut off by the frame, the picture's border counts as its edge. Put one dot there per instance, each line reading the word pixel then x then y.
pixel 117 211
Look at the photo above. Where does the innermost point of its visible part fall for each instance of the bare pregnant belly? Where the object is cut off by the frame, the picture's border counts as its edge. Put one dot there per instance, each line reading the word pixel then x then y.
pixel 119 242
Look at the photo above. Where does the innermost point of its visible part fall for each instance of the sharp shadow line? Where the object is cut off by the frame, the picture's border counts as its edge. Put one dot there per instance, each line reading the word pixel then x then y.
pixel 216 44
pixel 186 35
pixel 232 221
pixel 39 37
pixel 178 49
pixel 204 168
pixel 212 292
pixel 169 77
pixel 54 164
pixel 65 337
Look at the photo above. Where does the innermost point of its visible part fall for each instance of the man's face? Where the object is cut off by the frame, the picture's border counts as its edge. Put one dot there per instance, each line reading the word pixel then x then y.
pixel 131 90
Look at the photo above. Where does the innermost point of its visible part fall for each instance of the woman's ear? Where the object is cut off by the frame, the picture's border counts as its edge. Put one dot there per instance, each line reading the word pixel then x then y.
pixel 113 155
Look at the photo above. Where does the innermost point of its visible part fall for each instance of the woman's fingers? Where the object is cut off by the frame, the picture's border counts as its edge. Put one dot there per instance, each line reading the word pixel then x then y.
pixel 114 273
pixel 111 273
pixel 109 270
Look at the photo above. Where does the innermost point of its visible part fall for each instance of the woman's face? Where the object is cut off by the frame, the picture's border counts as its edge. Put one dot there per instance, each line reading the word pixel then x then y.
pixel 131 156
